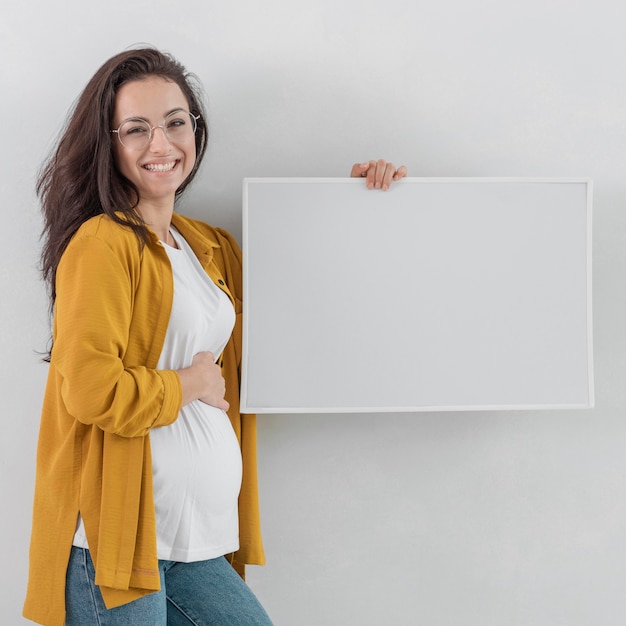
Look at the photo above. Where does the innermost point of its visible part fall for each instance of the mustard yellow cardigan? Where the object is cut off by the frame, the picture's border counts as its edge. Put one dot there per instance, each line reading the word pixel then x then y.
pixel 102 398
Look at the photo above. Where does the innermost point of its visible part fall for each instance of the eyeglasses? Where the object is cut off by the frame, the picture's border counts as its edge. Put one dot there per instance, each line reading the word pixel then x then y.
pixel 136 133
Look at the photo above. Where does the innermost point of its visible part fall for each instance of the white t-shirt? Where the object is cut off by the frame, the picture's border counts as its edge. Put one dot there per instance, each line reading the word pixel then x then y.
pixel 196 461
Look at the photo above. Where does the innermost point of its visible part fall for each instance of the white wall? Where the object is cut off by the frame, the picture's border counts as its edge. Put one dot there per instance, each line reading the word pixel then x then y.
pixel 438 519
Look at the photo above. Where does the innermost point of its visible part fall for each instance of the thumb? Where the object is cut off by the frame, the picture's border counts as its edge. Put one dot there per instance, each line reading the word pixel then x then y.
pixel 359 170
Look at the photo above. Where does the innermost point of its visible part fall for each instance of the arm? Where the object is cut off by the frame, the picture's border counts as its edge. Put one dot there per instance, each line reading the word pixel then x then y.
pixel 103 384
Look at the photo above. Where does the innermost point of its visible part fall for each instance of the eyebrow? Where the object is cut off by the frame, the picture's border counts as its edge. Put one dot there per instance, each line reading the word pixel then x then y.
pixel 137 118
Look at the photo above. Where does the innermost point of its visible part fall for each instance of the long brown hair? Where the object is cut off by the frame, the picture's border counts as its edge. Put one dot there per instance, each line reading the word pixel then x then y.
pixel 80 179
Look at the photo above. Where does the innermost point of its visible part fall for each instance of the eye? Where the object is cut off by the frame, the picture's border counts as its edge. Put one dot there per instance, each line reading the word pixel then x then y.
pixel 134 129
pixel 177 120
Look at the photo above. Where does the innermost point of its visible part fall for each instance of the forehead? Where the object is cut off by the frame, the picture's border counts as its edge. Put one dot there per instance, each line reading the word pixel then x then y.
pixel 151 98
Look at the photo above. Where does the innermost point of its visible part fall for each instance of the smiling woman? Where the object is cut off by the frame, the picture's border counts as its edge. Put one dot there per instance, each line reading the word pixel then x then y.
pixel 146 470
pixel 156 159
pixel 134 390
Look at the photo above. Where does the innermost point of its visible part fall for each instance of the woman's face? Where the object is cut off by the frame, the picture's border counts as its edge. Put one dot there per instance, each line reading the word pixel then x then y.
pixel 159 168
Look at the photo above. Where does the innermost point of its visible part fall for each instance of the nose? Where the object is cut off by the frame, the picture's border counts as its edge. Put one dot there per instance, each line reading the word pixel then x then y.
pixel 159 140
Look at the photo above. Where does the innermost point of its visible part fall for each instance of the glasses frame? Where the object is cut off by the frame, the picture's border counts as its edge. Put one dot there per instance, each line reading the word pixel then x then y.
pixel 194 119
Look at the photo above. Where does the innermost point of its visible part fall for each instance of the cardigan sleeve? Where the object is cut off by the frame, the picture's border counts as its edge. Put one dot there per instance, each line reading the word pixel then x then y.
pixel 93 315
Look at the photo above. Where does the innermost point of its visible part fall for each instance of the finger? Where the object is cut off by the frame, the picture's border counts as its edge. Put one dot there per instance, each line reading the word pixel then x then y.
pixel 217 401
pixel 359 170
pixel 370 179
pixel 388 176
pixel 381 168
pixel 401 172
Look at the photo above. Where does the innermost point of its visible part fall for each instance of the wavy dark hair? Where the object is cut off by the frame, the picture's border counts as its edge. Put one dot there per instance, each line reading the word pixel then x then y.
pixel 80 178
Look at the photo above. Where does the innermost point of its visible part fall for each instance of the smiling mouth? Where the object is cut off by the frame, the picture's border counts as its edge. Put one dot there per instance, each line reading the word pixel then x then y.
pixel 160 167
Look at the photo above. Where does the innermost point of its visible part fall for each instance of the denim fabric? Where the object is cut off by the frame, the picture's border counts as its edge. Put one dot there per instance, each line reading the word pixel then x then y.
pixel 192 594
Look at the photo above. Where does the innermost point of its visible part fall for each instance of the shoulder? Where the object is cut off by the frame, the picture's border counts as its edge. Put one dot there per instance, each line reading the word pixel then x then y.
pixel 201 228
pixel 104 228
pixel 101 240
pixel 214 236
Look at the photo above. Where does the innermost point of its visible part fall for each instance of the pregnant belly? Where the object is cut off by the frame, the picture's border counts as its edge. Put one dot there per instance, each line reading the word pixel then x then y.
pixel 196 464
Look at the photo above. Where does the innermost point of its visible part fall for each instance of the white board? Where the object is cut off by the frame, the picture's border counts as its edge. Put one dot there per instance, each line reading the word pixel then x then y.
pixel 439 294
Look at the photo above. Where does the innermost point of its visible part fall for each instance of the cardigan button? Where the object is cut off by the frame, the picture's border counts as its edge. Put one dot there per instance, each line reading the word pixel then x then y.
pixel 220 281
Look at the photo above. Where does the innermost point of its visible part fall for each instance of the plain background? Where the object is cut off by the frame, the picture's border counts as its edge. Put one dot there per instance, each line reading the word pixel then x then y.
pixel 434 519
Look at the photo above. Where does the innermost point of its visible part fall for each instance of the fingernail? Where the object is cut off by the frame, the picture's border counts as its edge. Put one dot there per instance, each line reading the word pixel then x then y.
pixel 377 185
pixel 385 187
pixel 370 186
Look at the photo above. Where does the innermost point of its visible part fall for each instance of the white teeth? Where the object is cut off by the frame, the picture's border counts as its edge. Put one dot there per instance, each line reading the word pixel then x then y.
pixel 160 167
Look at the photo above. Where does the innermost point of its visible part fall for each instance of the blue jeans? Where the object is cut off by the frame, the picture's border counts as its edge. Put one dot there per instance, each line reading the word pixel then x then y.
pixel 192 594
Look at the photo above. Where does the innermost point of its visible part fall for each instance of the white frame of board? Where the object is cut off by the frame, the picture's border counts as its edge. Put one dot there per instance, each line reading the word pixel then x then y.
pixel 441 294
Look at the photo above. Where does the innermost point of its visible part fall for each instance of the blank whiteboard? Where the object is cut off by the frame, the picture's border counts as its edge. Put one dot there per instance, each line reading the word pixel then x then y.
pixel 439 294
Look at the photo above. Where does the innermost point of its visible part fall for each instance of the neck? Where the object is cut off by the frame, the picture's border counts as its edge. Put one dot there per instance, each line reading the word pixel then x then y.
pixel 158 218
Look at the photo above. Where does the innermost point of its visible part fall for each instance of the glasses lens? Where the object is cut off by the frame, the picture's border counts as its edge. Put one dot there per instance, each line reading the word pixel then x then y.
pixel 134 134
pixel 179 126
